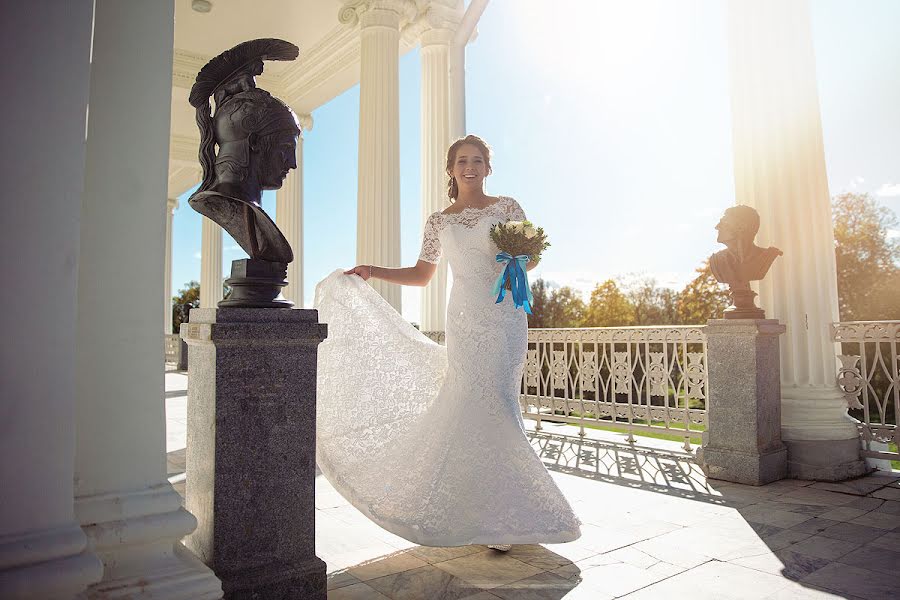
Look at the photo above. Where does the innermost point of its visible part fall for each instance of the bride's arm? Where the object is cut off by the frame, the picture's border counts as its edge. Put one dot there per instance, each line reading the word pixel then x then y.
pixel 418 275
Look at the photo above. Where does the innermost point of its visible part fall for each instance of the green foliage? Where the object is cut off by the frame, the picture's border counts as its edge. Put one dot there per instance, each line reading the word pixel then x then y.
pixel 510 237
pixel 868 276
pixel 556 308
pixel 190 294
pixel 608 307
pixel 703 298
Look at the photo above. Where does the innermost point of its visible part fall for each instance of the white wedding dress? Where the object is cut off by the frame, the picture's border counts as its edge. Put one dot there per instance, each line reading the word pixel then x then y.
pixel 428 441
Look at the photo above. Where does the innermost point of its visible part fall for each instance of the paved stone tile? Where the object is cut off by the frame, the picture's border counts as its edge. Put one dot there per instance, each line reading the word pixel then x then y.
pixel 858 487
pixel 386 566
pixel 619 578
pixel 423 582
pixel 866 504
pixel 340 579
pixel 433 554
pixel 820 546
pixel 715 542
pixel 875 558
pixel 853 532
pixel 890 541
pixel 359 591
pixel 891 507
pixel 784 538
pixel 805 591
pixel 879 520
pixel 488 569
pixel 672 552
pixel 768 516
pixel 888 493
pixel 843 513
pixel 714 581
pixel 482 596
pixel 854 580
pixel 763 530
pixel 816 497
pixel 543 586
pixel 538 556
pixel 815 525
pixel 785 563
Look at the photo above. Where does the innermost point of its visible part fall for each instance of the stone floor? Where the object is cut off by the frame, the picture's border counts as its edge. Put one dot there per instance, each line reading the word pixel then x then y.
pixel 653 528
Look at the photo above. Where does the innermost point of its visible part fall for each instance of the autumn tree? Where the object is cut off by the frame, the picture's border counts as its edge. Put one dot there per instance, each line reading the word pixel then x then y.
pixel 703 298
pixel 868 276
pixel 608 307
pixel 189 295
pixel 556 308
pixel 652 305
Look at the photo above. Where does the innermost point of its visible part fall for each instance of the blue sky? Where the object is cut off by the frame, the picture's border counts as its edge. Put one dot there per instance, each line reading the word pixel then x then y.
pixel 610 124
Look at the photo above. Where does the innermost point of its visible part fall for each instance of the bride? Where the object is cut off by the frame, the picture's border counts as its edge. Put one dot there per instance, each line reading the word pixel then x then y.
pixel 428 441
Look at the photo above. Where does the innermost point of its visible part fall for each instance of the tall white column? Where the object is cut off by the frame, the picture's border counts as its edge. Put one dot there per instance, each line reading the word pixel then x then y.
pixel 289 218
pixel 43 551
pixel 124 501
pixel 210 264
pixel 378 197
pixel 435 140
pixel 171 205
pixel 779 166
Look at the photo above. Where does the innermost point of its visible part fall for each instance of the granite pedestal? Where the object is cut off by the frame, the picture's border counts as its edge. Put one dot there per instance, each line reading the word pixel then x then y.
pixel 251 449
pixel 742 442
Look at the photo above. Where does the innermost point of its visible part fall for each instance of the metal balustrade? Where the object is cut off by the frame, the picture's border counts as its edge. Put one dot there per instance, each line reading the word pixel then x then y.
pixel 869 376
pixel 637 379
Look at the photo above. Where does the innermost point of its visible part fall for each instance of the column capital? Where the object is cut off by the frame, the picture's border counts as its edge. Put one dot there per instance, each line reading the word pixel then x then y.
pixel 306 122
pixel 171 204
pixel 436 25
pixel 368 13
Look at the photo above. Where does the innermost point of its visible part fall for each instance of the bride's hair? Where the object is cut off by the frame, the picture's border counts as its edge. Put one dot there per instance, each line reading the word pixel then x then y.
pixel 452 189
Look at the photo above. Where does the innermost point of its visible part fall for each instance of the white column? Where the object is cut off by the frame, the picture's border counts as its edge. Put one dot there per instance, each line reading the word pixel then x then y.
pixel 171 205
pixel 779 167
pixel 435 138
pixel 210 264
pixel 289 218
pixel 124 501
pixel 43 551
pixel 378 198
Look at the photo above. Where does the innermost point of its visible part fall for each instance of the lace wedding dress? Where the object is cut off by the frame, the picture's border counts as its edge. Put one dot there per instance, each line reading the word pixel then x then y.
pixel 428 441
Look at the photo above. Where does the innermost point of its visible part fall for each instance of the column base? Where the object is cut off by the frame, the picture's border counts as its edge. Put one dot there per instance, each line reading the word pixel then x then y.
pixel 137 534
pixel 822 439
pixel 743 467
pixel 825 460
pixel 47 564
pixel 305 580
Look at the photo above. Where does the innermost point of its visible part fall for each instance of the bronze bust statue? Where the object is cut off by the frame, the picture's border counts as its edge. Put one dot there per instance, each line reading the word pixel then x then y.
pixel 742 261
pixel 256 137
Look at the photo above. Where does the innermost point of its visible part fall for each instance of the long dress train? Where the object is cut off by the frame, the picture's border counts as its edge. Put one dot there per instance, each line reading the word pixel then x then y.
pixel 426 440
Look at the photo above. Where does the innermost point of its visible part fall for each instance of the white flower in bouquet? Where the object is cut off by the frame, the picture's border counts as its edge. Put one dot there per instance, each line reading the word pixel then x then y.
pixel 520 237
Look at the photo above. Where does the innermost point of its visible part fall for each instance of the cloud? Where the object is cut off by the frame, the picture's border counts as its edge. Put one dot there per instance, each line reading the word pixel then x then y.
pixel 197 255
pixel 893 233
pixel 856 181
pixel 888 190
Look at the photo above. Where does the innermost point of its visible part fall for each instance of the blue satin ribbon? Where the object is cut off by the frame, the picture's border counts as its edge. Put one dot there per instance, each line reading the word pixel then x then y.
pixel 515 272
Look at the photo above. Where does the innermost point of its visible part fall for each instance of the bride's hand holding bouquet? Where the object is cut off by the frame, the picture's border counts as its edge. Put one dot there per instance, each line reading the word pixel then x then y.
pixel 519 242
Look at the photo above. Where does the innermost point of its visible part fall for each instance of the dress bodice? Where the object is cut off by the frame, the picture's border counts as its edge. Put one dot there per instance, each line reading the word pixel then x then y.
pixel 464 237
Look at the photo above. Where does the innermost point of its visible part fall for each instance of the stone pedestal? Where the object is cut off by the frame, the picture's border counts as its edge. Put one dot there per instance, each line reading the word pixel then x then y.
pixel 251 449
pixel 742 442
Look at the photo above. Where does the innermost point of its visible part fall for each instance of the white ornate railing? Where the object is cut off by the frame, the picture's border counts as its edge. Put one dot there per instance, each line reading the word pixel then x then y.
pixel 631 378
pixel 869 375
pixel 173 347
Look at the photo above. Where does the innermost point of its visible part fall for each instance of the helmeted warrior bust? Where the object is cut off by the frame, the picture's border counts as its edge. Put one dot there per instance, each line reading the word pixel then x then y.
pixel 742 261
pixel 256 135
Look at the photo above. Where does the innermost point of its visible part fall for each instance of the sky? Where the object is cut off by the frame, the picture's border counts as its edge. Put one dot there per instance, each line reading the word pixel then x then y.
pixel 610 123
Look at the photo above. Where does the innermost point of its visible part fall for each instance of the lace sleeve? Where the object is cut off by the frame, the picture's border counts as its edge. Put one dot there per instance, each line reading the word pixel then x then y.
pixel 431 244
pixel 514 211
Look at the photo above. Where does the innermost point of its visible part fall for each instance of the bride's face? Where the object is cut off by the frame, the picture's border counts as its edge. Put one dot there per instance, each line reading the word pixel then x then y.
pixel 469 168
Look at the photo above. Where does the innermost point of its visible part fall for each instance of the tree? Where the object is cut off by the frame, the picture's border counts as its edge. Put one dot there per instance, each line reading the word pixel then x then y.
pixel 703 298
pixel 190 295
pixel 652 305
pixel 868 275
pixel 608 307
pixel 557 308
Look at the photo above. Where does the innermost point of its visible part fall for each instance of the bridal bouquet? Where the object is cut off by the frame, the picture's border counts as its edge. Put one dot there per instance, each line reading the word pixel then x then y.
pixel 518 242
